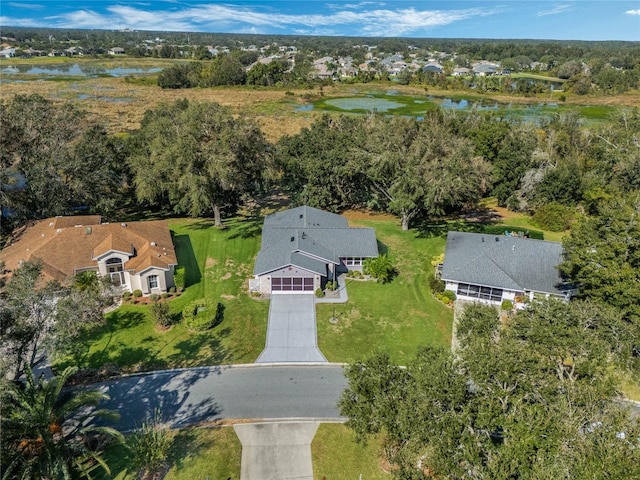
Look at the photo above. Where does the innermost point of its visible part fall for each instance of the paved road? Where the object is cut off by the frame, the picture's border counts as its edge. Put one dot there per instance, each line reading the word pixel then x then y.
pixel 257 392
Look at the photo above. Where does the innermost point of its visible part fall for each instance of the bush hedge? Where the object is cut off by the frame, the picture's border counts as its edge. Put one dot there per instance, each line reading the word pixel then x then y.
pixel 200 315
pixel 179 276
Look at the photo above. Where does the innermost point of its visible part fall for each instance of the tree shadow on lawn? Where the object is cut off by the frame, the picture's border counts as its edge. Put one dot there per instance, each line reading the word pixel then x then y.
pixel 382 248
pixel 190 352
pixel 246 227
pixel 187 443
pixel 187 258
pixel 440 228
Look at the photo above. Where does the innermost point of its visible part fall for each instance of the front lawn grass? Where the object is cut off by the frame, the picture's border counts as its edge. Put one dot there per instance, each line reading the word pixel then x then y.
pixel 336 455
pixel 196 453
pixel 218 263
pixel 397 317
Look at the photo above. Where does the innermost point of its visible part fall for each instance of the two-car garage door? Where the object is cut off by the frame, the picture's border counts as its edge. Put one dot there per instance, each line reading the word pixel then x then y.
pixel 291 284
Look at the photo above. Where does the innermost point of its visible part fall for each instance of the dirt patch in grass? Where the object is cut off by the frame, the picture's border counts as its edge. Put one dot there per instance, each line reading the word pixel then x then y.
pixel 226 276
pixel 367 215
pixel 211 262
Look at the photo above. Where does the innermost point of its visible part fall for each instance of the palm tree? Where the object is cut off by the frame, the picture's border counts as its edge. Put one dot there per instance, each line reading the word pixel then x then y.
pixel 48 433
pixel 87 281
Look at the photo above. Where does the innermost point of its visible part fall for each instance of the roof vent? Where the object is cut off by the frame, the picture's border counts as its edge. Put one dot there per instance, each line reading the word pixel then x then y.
pixel 87 230
pixel 497 239
pixel 304 235
pixel 123 224
pixel 51 224
pixel 482 239
pixel 301 215
pixel 293 239
pixel 58 230
pixel 154 244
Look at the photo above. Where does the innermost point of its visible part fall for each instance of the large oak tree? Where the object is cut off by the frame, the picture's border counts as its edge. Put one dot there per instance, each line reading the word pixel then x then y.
pixel 197 158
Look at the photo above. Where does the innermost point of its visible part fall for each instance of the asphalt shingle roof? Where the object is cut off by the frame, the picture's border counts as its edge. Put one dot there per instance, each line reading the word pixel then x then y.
pixel 505 262
pixel 298 235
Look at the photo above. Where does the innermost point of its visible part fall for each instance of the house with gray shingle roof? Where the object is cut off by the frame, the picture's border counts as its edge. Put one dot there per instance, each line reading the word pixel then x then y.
pixel 493 268
pixel 302 248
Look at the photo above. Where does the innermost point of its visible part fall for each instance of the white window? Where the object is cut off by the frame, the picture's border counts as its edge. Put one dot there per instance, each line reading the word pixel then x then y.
pixel 153 281
pixel 353 261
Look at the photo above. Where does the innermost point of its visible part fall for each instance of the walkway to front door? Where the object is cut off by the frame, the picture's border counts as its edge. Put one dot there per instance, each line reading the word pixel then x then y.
pixel 291 330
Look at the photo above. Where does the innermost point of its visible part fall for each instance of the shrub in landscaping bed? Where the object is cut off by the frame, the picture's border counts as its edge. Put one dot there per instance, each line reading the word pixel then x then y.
pixel 179 277
pixel 319 293
pixel 126 296
pixel 160 314
pixel 201 315
pixel 137 293
pixel 506 305
pixel 436 285
pixel 380 268
pixel 450 294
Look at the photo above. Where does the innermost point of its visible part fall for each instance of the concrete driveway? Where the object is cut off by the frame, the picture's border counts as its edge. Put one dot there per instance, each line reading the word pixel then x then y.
pixel 276 451
pixel 291 330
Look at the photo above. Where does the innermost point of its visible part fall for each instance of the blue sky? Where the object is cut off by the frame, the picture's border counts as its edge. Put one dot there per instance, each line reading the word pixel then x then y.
pixel 542 19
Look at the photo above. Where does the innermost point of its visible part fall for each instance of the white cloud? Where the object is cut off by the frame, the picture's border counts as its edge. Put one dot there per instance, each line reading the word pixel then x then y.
pixel 633 12
pixel 556 10
pixel 378 21
pixel 26 6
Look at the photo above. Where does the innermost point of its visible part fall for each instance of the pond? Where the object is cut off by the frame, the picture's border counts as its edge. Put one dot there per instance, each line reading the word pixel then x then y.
pixel 393 103
pixel 367 104
pixel 76 70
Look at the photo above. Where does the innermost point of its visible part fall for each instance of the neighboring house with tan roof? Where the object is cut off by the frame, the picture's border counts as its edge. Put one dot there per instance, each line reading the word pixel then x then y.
pixel 135 255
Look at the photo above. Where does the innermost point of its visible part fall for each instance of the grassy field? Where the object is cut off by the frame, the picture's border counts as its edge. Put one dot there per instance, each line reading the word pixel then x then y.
pixel 396 317
pixel 123 101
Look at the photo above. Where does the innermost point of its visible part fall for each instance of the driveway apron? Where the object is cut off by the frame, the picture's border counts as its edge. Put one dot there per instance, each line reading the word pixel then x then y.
pixel 291 330
pixel 276 451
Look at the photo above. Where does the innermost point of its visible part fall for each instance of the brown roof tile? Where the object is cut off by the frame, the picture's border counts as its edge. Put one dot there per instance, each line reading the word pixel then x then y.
pixel 65 249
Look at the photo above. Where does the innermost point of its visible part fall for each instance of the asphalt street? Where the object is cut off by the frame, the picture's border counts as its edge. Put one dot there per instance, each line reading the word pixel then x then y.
pixel 257 392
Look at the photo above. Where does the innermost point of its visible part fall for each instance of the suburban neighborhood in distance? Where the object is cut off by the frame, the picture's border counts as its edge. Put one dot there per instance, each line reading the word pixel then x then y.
pixel 361 241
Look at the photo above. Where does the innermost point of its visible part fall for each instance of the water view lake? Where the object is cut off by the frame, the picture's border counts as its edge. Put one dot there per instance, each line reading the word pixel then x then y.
pixel 76 70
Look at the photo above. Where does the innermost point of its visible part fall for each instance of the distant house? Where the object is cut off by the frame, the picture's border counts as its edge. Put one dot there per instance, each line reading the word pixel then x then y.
pixel 303 248
pixel 432 68
pixel 116 51
pixel 8 52
pixel 135 255
pixel 460 72
pixel 493 268
pixel 485 70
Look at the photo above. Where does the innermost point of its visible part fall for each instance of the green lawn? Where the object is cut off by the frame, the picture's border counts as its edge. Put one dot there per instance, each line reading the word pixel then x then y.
pixel 196 454
pixel 396 317
pixel 218 263
pixel 337 456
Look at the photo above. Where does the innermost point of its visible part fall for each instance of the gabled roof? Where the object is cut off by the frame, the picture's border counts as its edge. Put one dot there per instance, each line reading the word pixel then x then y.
pixel 65 244
pixel 310 238
pixel 505 262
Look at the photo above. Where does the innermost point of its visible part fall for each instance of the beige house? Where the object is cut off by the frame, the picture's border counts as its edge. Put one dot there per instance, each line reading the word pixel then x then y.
pixel 135 255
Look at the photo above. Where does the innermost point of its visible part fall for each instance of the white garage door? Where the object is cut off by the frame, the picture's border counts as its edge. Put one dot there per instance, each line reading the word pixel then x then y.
pixel 291 284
